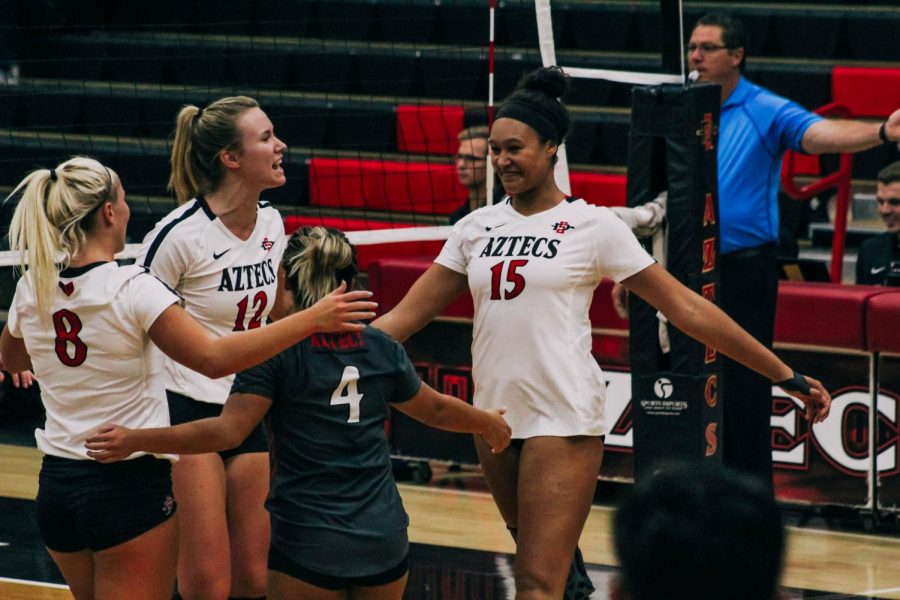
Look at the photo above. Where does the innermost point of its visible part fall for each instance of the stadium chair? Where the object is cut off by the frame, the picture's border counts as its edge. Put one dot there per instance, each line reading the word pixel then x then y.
pixel 110 114
pixel 581 141
pixel 808 35
pixel 464 25
pixel 871 35
pixel 602 189
pixel 613 136
pixel 373 67
pixel 300 124
pixel 453 77
pixel 45 112
pixel 346 20
pixel 321 72
pixel 416 187
pixel 603 28
pixel 410 23
pixel 428 129
pixel 258 68
pixel 233 17
pixel 364 129
pixel 285 18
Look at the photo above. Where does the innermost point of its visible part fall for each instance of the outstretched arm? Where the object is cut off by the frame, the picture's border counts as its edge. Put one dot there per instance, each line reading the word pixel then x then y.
pixel 845 135
pixel 180 337
pixel 452 414
pixel 706 322
pixel 240 415
pixel 429 295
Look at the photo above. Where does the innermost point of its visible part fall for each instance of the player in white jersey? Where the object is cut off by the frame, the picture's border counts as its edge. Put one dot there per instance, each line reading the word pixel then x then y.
pixel 221 251
pixel 532 263
pixel 85 328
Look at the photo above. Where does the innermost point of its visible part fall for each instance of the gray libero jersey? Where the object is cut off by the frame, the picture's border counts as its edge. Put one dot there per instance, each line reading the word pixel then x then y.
pixel 335 507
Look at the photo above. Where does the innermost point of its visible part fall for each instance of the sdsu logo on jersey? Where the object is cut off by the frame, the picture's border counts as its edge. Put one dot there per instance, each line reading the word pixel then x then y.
pixel 267 244
pixel 562 227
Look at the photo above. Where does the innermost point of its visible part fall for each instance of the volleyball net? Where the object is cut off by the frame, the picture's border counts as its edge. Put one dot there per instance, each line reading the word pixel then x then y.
pixel 369 96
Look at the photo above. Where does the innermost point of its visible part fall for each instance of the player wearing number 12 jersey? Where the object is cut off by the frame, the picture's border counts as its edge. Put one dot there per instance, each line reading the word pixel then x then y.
pixel 228 284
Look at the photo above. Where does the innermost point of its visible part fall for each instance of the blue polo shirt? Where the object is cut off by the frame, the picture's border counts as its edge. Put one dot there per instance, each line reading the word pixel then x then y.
pixel 756 127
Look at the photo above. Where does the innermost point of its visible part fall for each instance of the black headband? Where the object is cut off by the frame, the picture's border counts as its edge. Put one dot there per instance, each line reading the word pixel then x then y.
pixel 533 116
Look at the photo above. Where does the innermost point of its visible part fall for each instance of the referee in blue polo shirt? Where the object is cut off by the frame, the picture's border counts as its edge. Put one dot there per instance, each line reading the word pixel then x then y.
pixel 756 128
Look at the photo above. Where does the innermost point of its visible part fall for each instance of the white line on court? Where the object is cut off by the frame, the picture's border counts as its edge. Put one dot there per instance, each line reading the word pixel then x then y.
pixel 35 583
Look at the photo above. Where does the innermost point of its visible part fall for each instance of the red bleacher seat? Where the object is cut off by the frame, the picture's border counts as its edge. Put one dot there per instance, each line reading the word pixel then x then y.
pixel 867 92
pixel 603 189
pixel 823 314
pixel 428 129
pixel 366 253
pixel 883 322
pixel 419 187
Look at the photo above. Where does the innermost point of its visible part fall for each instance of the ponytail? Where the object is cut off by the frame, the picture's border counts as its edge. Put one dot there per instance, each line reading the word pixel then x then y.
pixel 316 260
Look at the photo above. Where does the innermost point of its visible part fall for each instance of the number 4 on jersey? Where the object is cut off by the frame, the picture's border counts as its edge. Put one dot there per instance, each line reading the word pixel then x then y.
pixel 346 393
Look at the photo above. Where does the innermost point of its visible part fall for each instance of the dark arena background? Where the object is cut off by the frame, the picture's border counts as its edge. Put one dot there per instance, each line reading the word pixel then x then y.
pixel 369 96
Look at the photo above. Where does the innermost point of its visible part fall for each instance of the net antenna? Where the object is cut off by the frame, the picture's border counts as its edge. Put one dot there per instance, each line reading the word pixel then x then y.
pixel 672 12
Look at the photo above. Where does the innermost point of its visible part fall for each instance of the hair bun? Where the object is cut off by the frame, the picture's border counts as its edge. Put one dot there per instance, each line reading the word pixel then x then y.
pixel 551 81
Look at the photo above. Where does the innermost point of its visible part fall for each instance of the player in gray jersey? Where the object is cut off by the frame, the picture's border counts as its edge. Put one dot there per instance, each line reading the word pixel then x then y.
pixel 338 524
pixel 87 327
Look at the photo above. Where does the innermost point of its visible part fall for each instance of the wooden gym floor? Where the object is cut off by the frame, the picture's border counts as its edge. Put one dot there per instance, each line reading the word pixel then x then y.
pixel 461 550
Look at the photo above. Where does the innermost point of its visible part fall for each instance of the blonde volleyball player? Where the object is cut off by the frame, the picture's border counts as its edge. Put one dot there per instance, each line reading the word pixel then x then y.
pixel 338 524
pixel 532 263
pixel 85 328
pixel 221 252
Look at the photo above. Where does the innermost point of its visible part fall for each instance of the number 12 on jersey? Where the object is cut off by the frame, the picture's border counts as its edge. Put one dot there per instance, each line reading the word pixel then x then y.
pixel 346 393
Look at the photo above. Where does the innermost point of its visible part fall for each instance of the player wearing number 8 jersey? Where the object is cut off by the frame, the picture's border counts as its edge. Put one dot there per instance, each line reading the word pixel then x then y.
pixel 338 525
pixel 85 326
pixel 220 250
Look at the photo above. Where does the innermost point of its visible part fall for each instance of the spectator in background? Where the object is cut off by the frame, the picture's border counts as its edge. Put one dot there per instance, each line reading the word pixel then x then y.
pixel 698 532
pixel 878 261
pixel 756 128
pixel 471 169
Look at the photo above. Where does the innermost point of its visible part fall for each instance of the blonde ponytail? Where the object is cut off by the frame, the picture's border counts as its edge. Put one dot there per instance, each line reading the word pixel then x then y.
pixel 50 223
pixel 200 135
pixel 315 261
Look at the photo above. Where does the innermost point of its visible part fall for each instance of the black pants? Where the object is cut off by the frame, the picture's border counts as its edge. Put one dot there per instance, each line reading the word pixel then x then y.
pixel 748 293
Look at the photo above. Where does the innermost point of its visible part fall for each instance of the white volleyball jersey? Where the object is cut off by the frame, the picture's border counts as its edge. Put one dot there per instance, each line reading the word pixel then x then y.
pixel 92 356
pixel 228 284
pixel 532 279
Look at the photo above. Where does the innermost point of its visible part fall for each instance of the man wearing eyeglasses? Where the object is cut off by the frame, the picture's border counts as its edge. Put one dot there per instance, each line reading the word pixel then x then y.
pixel 756 127
pixel 878 262
pixel 471 169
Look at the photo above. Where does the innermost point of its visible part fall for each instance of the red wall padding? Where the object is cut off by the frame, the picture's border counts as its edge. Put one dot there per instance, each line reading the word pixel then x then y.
pixel 867 92
pixel 603 189
pixel 883 322
pixel 398 186
pixel 428 129
pixel 365 254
